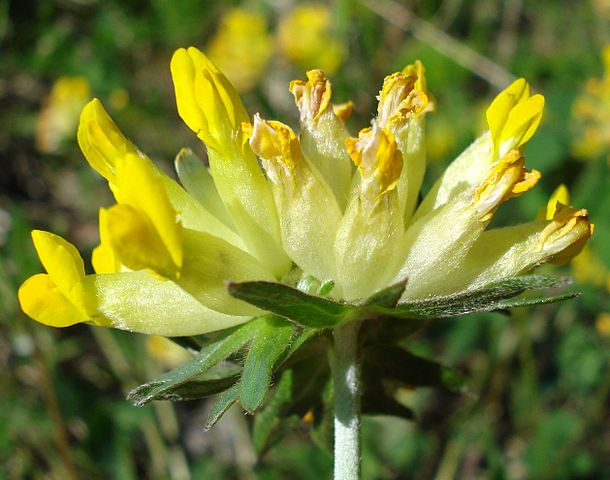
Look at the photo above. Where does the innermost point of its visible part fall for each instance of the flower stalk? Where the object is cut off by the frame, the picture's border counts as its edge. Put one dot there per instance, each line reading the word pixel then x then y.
pixel 346 378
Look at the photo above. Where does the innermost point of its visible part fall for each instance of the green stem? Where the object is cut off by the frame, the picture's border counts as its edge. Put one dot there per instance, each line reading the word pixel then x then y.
pixel 346 378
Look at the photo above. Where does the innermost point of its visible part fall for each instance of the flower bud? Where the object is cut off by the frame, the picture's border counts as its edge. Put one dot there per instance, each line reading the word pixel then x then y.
pixel 211 107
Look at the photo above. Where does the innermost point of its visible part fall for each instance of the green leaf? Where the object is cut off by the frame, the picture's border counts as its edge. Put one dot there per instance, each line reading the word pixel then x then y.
pixel 388 297
pixel 396 364
pixel 307 310
pixel 266 420
pixel 389 330
pixel 218 349
pixel 324 419
pixel 269 343
pixel 488 298
pixel 527 302
pixel 376 401
pixel 197 389
pixel 225 400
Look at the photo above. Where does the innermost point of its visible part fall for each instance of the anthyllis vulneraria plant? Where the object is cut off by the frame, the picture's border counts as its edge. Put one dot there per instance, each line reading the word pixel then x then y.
pixel 309 254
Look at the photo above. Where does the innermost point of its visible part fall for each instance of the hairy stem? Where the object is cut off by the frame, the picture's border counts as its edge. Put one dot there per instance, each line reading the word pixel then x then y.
pixel 346 377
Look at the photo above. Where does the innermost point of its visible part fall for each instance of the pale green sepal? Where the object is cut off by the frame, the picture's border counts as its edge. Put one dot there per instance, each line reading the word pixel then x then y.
pixel 510 251
pixel 137 302
pixel 498 253
pixel 198 182
pixel 467 170
pixel 209 264
pixel 249 200
pixel 309 218
pixel 368 245
pixel 435 245
pixel 194 216
pixel 412 145
pixel 324 146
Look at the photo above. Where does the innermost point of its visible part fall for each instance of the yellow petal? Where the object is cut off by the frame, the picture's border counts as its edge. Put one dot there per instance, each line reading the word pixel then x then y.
pixel 507 179
pixel 560 195
pixel 42 300
pixel 523 121
pixel 136 242
pixel 501 106
pixel 183 68
pixel 140 186
pixel 103 258
pixel 206 100
pixel 101 141
pixel 570 229
pixel 60 259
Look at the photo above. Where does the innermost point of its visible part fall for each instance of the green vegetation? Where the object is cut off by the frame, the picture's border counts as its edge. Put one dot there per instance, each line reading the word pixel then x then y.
pixel 538 380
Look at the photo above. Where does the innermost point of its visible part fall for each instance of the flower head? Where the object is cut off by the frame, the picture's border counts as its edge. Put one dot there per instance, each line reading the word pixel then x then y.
pixel 305 37
pixel 242 47
pixel 320 208
pixel 59 115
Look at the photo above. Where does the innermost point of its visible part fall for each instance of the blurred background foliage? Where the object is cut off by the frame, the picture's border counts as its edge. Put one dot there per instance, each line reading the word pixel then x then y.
pixel 537 405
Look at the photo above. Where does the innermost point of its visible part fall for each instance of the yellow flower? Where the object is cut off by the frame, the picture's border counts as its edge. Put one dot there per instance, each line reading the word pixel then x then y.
pixel 305 37
pixel 591 113
pixel 59 115
pixel 241 47
pixel 325 205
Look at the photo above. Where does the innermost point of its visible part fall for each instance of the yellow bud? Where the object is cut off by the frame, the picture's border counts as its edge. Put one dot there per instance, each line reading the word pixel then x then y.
pixel 514 116
pixel 101 141
pixel 206 100
pixel 507 179
pixel 378 159
pixel 560 195
pixel 312 97
pixel 569 230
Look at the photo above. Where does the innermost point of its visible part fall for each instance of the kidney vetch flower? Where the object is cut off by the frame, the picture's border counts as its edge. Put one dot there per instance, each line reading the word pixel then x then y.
pixel 322 211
